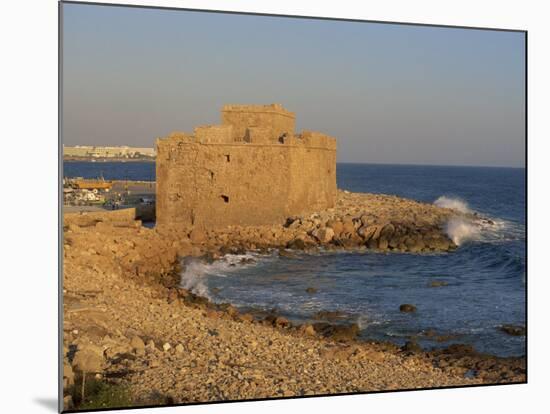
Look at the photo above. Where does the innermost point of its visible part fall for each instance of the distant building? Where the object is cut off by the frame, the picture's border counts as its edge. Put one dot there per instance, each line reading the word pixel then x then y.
pixel 252 169
pixel 108 152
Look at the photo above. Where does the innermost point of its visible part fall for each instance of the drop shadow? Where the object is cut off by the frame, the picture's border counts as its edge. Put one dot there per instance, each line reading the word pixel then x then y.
pixel 49 403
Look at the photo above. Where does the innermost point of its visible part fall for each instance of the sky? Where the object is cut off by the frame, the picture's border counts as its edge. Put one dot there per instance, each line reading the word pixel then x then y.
pixel 396 94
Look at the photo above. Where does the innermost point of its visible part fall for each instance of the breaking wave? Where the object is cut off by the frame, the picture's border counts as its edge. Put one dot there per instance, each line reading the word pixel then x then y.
pixel 196 270
pixel 453 203
pixel 461 230
pixel 472 226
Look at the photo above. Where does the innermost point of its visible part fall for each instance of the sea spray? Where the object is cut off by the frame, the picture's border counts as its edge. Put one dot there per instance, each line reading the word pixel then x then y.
pixel 461 230
pixel 196 270
pixel 453 203
pixel 193 275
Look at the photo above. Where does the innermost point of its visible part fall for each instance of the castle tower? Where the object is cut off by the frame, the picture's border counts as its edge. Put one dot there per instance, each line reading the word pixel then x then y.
pixel 268 121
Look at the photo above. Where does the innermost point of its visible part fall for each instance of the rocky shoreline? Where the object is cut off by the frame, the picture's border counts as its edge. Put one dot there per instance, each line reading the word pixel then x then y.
pixel 128 322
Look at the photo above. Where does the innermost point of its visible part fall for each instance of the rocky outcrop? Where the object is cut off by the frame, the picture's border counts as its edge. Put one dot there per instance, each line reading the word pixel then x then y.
pixel 514 330
pixel 127 321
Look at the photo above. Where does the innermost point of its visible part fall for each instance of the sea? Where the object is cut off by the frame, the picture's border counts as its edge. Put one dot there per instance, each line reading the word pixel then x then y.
pixel 485 278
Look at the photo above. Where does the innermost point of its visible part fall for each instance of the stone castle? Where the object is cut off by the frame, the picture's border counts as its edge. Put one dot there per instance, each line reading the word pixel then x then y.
pixel 252 169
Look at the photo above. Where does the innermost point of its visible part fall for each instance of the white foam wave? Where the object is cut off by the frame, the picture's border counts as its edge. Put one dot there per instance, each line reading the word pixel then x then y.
pixel 475 227
pixel 363 322
pixel 196 270
pixel 454 203
pixel 461 230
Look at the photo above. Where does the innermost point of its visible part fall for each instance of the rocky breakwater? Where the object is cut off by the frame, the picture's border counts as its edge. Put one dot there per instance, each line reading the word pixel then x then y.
pixel 381 222
pixel 358 221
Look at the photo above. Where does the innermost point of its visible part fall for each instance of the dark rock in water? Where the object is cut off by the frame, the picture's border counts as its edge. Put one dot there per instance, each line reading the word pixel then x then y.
pixel 282 322
pixel 514 330
pixel 296 244
pixel 434 336
pixel 286 253
pixel 273 319
pixel 337 332
pixel 194 299
pixel 246 317
pixel 459 349
pixel 311 290
pixel 283 278
pixel 209 258
pixel 407 308
pixel 445 338
pixel 227 308
pixel 438 283
pixel 411 346
pixel 430 333
pixel 247 260
pixel 232 250
pixel 329 315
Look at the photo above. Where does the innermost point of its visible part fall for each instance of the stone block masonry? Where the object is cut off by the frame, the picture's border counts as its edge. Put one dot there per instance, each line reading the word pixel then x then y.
pixel 250 170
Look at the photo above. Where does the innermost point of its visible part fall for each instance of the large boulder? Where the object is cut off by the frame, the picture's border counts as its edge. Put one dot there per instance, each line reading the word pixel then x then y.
pixel 348 226
pixel 365 220
pixel 89 358
pixel 336 226
pixel 324 234
pixel 387 231
pixel 372 232
pixel 382 243
pixel 296 244
pixel 138 345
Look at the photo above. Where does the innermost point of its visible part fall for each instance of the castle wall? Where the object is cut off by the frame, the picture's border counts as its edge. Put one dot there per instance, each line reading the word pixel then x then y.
pixel 207 181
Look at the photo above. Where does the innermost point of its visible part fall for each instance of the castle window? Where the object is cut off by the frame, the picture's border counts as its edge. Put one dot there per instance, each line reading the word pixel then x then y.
pixel 227 157
pixel 225 198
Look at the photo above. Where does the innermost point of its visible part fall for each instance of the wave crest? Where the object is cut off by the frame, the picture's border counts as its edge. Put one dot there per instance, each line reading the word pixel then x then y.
pixel 196 270
pixel 461 230
pixel 454 203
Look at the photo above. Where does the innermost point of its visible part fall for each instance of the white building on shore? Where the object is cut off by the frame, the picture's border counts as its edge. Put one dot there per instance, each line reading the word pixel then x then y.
pixel 108 152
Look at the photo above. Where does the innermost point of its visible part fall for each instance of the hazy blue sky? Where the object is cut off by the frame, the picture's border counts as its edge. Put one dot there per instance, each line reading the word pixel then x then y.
pixel 388 93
